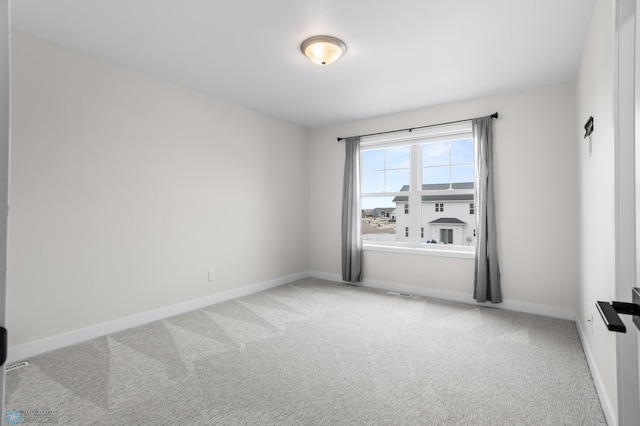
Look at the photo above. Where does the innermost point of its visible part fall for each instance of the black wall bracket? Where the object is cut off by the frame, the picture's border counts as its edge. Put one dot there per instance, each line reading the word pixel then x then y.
pixel 3 345
pixel 609 312
pixel 588 127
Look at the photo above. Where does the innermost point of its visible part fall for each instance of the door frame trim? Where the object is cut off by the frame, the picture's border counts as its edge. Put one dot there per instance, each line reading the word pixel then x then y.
pixel 626 207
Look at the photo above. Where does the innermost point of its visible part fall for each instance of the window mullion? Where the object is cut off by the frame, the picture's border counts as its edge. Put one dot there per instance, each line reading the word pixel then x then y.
pixel 415 199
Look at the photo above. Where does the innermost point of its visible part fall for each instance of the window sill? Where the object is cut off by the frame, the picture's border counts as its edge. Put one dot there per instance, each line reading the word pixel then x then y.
pixel 462 254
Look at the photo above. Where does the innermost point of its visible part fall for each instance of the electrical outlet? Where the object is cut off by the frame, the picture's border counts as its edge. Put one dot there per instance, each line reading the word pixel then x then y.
pixel 212 274
pixel 420 270
pixel 590 322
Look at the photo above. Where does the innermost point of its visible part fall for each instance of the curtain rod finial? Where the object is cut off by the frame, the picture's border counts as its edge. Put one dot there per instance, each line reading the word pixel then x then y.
pixel 494 115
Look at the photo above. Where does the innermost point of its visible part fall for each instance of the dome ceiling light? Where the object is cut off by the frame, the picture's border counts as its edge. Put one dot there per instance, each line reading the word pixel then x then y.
pixel 323 50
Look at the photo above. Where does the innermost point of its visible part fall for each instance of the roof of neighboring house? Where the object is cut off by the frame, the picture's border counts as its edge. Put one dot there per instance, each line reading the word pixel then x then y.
pixel 384 209
pixel 434 186
pixel 398 199
pixel 448 221
pixel 440 187
pixel 450 197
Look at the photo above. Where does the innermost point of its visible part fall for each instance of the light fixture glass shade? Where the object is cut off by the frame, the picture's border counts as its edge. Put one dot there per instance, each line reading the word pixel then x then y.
pixel 323 50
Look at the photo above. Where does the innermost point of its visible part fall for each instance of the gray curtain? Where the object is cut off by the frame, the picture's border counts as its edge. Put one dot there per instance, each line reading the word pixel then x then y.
pixel 351 213
pixel 487 270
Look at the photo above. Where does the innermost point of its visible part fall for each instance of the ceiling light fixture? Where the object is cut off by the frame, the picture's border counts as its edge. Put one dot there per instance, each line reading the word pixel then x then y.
pixel 323 50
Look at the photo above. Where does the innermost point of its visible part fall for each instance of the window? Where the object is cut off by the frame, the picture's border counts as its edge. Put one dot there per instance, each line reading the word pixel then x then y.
pixel 410 171
pixel 446 236
pixel 472 208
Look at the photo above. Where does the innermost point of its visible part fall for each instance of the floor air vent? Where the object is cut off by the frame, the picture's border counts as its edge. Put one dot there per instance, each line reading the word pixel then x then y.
pixel 395 293
pixel 16 366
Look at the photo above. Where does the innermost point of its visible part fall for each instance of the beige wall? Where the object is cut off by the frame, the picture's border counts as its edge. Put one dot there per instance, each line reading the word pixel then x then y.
pixel 126 189
pixel 536 181
pixel 597 220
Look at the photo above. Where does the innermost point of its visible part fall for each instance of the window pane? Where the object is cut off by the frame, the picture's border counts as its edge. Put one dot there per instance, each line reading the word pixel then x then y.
pixel 448 162
pixel 431 175
pixel 462 174
pixel 373 182
pixel 435 154
pixel 373 160
pixel 462 151
pixel 379 218
pixel 396 180
pixel 386 170
pixel 398 158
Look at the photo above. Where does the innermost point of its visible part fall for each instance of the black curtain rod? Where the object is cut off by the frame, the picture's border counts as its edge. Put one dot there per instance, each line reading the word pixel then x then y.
pixel 494 115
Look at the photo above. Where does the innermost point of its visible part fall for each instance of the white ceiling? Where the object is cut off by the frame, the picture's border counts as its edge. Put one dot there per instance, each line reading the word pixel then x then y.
pixel 401 54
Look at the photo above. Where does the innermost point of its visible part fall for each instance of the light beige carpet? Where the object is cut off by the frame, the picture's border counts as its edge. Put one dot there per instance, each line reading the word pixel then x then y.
pixel 320 353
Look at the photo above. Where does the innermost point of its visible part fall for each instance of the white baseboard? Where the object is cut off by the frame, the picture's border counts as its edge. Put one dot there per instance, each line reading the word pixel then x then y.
pixel 511 305
pixel 609 413
pixel 21 352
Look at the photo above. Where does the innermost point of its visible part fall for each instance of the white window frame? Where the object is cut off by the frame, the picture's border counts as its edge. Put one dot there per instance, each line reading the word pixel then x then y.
pixel 414 139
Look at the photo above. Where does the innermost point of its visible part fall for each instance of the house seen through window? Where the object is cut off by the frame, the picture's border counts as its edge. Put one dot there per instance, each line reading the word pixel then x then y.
pixel 422 179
